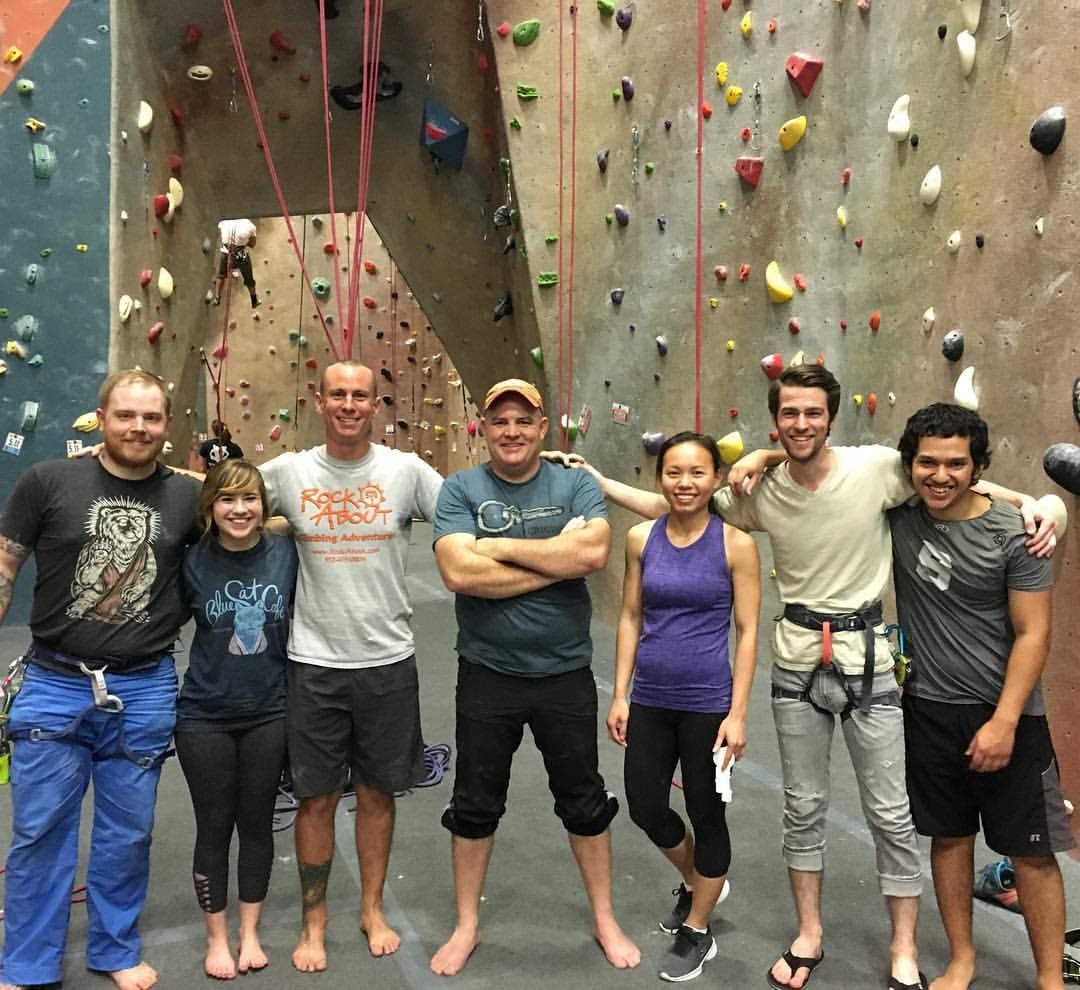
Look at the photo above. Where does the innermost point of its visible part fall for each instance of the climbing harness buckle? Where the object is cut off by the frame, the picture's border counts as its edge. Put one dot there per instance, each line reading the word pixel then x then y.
pixel 103 701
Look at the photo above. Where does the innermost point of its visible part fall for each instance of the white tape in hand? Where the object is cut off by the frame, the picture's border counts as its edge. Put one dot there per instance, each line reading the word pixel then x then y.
pixel 723 775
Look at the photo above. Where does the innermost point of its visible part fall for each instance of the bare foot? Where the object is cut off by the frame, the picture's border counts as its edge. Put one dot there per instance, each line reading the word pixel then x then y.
pixel 782 972
pixel 219 961
pixel 382 939
pixel 619 950
pixel 309 956
pixel 141 977
pixel 452 957
pixel 250 955
pixel 957 976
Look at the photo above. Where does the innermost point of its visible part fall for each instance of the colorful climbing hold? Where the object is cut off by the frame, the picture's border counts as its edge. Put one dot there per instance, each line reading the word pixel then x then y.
pixel 706 109
pixel 662 345
pixel 33 125
pixel 652 442
pixel 928 319
pixel 165 283
pixel 780 289
pixel 606 8
pixel 749 169
pixel 503 30
pixel 871 403
pixel 537 355
pixel 744 272
pixel 721 73
pixel 857 400
pixel 845 176
pixel 746 25
pixel 803 71
pixel 858 243
pixel 13 55
pixel 746 134
pixel 280 41
pixel 624 17
pixel 875 321
pixel 526 93
pixel 721 273
pixel 545 280
pixel 192 36
pixel 730 345
pixel 1048 130
pixel 626 84
pixel 793 325
pixel 24 87
pixel 369 302
pixel 622 215
pixel 730 446
pixel 792 131
pixel 155 331
pixel 800 281
pixel 733 94
pixel 772 365
pixel 526 32
pixel 771 25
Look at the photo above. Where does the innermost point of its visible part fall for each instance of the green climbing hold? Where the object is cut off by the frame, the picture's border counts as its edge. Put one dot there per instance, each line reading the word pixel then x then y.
pixel 36 361
pixel 650 167
pixel 551 239
pixel 527 32
pixel 616 95
pixel 515 123
pixel 3 312
pixel 284 414
pixel 44 161
pixel 526 93
pixel 45 252
pixel 609 218
pixel 606 7
pixel 547 279
pixel 537 354
pixel 24 87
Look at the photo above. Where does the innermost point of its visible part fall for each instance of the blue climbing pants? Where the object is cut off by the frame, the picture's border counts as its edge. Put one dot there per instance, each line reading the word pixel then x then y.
pixel 61 743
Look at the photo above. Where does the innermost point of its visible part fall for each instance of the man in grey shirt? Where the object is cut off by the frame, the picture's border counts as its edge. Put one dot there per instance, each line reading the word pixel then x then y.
pixel 975 609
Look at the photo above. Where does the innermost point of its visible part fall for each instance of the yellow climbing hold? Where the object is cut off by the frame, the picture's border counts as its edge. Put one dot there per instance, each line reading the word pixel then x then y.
pixel 780 289
pixel 13 55
pixel 722 206
pixel 721 73
pixel 14 349
pixel 730 346
pixel 792 132
pixel 733 95
pixel 82 248
pixel 33 125
pixel 857 399
pixel 841 217
pixel 730 446
pixel 746 25
pixel 713 302
pixel 86 423
pixel 799 358
pixel 176 191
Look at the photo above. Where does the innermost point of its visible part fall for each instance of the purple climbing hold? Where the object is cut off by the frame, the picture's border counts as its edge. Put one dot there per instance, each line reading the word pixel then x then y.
pixel 1076 399
pixel 661 222
pixel 1061 462
pixel 652 442
pixel 624 17
pixel 622 215
pixel 667 125
pixel 627 88
pixel 617 296
pixel 661 345
pixel 602 159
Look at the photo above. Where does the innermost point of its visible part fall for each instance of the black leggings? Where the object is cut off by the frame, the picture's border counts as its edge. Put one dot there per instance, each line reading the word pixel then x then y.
pixel 233 778
pixel 656 740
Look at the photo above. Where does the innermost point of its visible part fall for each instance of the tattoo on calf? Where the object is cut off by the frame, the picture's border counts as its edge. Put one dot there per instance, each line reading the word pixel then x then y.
pixel 14 549
pixel 313 880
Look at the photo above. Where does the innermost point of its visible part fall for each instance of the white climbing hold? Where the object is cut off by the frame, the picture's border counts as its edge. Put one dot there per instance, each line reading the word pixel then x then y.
pixel 892 398
pixel 1039 225
pixel 124 307
pixel 137 305
pixel 928 319
pixel 145 119
pixel 964 392
pixel 123 136
pixel 841 217
pixel 168 214
pixel 971 10
pixel 931 186
pixel 200 73
pixel 123 216
pixel 900 119
pixel 176 191
pixel 965 42
pixel 953 243
pixel 165 283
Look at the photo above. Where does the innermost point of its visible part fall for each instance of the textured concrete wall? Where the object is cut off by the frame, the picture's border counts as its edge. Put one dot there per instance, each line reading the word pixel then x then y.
pixel 44 220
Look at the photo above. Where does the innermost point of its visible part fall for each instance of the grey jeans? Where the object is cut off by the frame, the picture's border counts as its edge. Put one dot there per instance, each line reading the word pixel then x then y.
pixel 875 742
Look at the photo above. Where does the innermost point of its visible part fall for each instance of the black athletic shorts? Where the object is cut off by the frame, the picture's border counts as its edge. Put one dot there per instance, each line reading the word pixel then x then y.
pixel 1020 806
pixel 362 721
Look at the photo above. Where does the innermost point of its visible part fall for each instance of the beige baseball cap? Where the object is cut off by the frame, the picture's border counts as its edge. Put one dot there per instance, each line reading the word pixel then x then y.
pixel 517 386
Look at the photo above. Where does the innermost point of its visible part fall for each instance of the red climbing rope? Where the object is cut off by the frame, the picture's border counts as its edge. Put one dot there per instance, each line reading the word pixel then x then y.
pixel 562 403
pixel 573 207
pixel 565 307
pixel 264 142
pixel 698 260
pixel 329 153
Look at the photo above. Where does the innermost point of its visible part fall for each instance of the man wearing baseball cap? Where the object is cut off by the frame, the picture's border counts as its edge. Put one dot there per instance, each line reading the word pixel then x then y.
pixel 514 540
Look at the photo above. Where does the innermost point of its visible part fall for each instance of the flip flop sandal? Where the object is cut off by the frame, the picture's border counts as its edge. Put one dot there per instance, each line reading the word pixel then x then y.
pixel 795 963
pixel 895 984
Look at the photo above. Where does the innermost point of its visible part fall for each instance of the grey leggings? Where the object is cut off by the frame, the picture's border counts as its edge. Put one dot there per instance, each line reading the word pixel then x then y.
pixel 875 742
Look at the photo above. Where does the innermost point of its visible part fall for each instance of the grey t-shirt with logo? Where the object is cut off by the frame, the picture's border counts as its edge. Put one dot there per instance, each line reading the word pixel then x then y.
pixel 540 633
pixel 952 584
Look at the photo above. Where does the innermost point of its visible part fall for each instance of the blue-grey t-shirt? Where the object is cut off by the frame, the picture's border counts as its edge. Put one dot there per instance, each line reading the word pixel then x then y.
pixel 543 632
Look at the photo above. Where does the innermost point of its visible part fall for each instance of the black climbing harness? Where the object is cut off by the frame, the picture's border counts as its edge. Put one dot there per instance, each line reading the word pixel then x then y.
pixel 826 623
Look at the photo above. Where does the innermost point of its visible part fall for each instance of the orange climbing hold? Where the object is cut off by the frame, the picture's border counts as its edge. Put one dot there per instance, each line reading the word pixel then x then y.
pixel 744 272
pixel 875 320
pixel 871 403
pixel 369 302
pixel 370 267
pixel 706 109
pixel 800 281
pixel 280 41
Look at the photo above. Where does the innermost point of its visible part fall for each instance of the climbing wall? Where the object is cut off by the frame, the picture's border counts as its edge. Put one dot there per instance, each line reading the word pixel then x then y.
pixel 54 101
pixel 263 365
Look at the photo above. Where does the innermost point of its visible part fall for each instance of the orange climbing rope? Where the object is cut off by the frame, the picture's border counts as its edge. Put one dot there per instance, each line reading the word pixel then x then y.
pixel 264 142
pixel 698 260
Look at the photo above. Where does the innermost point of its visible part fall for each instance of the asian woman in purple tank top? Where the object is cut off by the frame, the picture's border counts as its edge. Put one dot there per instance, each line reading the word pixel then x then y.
pixel 689 576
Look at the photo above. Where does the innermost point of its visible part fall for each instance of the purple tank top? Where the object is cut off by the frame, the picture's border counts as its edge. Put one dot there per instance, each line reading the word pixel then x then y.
pixel 682 657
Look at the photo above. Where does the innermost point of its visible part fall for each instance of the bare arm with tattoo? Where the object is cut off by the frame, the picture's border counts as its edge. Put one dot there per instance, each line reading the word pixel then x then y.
pixel 12 557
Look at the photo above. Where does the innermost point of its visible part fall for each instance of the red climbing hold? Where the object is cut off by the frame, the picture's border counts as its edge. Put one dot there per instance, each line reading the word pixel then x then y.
pixel 803 71
pixel 176 163
pixel 305 77
pixel 329 249
pixel 370 268
pixel 721 273
pixel 503 29
pixel 793 325
pixel 746 134
pixel 772 25
pixel 749 169
pixel 706 109
pixel 871 403
pixel 311 363
pixel 744 272
pixel 161 205
pixel 800 281
pixel 221 351
pixel 820 360
pixel 145 277
pixel 724 4
pixel 774 436
pixel 192 36
pixel 772 365
pixel 858 243
pixel 845 177
pixel 279 41
pixel 843 325
pixel 875 320
pixel 369 302
pixel 482 64
pixel 488 134
pixel 155 331
pixel 283 115
pixel 733 412
pixel 177 115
